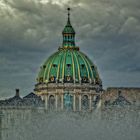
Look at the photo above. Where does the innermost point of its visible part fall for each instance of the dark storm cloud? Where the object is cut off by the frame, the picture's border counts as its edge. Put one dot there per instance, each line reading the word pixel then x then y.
pixel 107 30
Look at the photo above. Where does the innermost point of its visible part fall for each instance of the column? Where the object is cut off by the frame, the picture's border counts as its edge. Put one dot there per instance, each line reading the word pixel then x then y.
pixel 90 102
pixel 62 104
pixel 74 108
pixel 46 102
pixel 80 102
pixel 56 101
pixel 42 97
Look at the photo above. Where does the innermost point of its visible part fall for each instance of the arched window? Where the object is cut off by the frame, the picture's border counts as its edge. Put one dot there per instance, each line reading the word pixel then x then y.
pixel 68 101
pixel 51 102
pixel 85 102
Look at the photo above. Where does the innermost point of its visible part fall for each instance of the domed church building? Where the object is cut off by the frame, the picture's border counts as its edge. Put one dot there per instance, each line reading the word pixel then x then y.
pixel 69 80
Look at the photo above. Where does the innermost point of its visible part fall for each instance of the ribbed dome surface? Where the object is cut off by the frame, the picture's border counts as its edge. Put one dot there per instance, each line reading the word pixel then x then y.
pixel 68 65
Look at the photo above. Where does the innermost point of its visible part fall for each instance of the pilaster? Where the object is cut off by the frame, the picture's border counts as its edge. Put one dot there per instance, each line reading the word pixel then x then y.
pixel 74 101
pixel 79 102
pixel 62 102
pixel 46 102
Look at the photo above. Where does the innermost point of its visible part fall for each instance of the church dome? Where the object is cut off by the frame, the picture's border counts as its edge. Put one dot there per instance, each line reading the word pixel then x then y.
pixel 68 64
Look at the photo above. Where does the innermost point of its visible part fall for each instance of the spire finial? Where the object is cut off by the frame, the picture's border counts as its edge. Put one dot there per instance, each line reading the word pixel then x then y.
pixel 68 14
pixel 68 11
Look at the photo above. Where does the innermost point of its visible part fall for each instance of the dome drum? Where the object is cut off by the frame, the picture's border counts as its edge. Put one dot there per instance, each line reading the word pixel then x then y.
pixel 51 86
pixel 77 95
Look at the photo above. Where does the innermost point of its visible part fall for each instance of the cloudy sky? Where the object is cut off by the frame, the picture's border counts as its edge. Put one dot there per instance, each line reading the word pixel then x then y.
pixel 107 30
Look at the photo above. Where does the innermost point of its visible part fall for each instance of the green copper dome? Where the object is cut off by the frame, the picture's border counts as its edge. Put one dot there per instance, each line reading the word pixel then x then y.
pixel 68 64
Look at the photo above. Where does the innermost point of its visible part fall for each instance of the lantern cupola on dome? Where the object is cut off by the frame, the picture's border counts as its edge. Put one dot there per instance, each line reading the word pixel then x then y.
pixel 68 33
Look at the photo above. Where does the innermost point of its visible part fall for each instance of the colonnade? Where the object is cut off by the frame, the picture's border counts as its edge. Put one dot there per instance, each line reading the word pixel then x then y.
pixel 76 98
